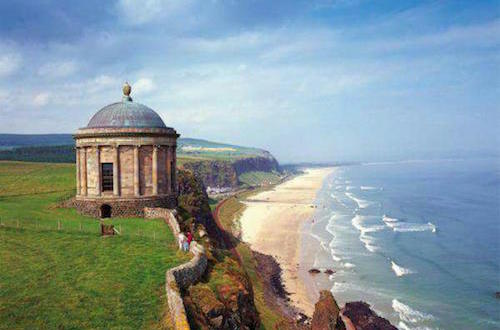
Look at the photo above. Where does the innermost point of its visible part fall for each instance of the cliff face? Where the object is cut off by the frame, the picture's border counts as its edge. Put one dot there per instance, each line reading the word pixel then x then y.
pixel 363 318
pixel 193 202
pixel 214 173
pixel 223 299
pixel 326 313
pixel 265 164
pixel 224 173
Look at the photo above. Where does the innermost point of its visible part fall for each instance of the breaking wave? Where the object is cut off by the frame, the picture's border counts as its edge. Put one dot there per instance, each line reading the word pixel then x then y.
pixel 334 256
pixel 360 202
pixel 368 188
pixel 367 240
pixel 403 326
pixel 404 227
pixel 400 271
pixel 407 314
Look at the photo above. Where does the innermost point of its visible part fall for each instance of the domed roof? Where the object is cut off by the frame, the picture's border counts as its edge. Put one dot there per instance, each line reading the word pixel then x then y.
pixel 126 114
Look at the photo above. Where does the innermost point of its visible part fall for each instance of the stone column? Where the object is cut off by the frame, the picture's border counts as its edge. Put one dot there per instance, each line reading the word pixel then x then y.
pixel 154 166
pixel 174 169
pixel 78 182
pixel 137 188
pixel 116 172
pixel 169 169
pixel 98 187
pixel 83 171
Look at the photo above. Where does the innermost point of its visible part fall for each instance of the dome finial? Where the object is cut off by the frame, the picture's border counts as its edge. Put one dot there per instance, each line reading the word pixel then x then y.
pixel 127 89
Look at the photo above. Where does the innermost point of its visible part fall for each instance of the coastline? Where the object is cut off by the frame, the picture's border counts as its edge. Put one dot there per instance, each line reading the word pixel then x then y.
pixel 272 223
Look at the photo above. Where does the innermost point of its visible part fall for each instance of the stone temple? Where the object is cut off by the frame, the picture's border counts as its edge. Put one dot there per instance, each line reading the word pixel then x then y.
pixel 125 161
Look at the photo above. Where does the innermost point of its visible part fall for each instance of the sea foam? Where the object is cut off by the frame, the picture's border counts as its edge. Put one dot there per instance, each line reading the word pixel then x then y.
pixel 368 241
pixel 335 257
pixel 404 227
pixel 403 326
pixel 407 314
pixel 400 271
pixel 360 202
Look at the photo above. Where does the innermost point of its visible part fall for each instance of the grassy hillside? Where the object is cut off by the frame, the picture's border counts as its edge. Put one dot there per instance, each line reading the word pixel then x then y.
pixel 24 140
pixel 202 149
pixel 57 272
pixel 257 178
pixel 22 145
pixel 56 148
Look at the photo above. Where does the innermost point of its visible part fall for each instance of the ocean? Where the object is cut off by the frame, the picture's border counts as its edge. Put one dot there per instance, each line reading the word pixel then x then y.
pixel 418 240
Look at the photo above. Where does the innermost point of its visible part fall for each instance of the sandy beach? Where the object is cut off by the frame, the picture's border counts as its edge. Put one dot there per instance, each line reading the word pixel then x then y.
pixel 272 224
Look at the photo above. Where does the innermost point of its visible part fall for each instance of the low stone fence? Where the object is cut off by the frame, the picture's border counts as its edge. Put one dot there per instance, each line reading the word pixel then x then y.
pixel 180 277
pixel 167 215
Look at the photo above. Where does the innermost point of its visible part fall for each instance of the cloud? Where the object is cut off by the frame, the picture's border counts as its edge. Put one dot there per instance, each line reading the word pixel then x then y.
pixel 138 12
pixel 478 35
pixel 58 69
pixel 143 86
pixel 233 71
pixel 41 99
pixel 9 63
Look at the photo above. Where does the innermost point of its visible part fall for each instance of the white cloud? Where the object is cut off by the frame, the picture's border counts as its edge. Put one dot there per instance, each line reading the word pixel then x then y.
pixel 58 69
pixel 41 99
pixel 143 86
pixel 138 12
pixel 482 35
pixel 9 63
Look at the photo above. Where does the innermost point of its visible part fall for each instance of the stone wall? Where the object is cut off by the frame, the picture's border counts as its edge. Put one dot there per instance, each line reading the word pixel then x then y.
pixel 123 208
pixel 167 215
pixel 180 277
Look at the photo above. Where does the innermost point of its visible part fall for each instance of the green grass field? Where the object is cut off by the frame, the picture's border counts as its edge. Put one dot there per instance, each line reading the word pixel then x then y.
pixel 58 273
pixel 259 178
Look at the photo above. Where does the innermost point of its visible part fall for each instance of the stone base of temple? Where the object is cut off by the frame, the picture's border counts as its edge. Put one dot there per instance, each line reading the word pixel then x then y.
pixel 121 207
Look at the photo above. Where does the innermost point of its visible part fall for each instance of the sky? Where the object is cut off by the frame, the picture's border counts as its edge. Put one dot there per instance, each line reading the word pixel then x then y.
pixel 317 80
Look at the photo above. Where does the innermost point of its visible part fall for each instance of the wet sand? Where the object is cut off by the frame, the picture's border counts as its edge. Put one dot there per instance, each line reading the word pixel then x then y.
pixel 272 224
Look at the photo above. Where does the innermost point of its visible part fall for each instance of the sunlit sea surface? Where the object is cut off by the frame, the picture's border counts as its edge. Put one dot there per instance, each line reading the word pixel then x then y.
pixel 418 240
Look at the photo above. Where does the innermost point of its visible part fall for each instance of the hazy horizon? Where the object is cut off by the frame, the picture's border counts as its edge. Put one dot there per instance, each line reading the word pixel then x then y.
pixel 307 80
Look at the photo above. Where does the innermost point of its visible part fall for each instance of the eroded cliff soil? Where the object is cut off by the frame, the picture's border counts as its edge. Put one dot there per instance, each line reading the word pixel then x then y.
pixel 223 299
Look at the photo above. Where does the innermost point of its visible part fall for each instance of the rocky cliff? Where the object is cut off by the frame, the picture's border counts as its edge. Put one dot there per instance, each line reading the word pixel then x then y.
pixel 194 208
pixel 214 173
pixel 223 299
pixel 364 318
pixel 224 173
pixel 326 313
pixel 264 164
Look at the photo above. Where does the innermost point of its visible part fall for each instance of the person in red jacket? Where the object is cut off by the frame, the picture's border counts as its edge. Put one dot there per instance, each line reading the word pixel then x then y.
pixel 189 237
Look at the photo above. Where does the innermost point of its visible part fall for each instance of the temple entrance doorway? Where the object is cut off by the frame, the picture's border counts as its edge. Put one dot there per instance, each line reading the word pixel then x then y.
pixel 105 211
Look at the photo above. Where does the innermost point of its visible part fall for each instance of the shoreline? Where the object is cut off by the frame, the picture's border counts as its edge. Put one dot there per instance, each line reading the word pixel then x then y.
pixel 273 223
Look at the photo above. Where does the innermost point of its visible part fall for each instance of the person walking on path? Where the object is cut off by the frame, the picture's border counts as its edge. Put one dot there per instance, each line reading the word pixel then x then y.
pixel 182 240
pixel 189 237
